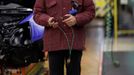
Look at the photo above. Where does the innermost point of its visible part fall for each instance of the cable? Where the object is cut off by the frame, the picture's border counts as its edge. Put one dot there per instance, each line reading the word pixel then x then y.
pixel 70 44
pixel 73 11
pixel 115 62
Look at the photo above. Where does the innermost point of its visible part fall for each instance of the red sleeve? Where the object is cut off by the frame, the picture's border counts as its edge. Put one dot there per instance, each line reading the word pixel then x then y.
pixel 87 15
pixel 40 16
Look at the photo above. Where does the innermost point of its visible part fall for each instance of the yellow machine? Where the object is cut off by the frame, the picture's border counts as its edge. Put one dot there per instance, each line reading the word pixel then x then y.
pixel 101 7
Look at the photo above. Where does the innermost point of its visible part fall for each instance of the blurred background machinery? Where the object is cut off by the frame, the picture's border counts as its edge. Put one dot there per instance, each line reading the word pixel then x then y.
pixel 18 54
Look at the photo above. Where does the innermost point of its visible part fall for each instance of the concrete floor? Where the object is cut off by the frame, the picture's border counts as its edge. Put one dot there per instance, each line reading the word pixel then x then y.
pixel 96 44
pixel 92 55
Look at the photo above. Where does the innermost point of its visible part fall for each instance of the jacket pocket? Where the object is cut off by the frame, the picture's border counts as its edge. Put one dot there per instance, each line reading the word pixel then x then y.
pixel 50 3
pixel 51 7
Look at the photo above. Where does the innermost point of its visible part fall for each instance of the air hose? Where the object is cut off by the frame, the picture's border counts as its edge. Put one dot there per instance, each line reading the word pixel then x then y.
pixel 109 33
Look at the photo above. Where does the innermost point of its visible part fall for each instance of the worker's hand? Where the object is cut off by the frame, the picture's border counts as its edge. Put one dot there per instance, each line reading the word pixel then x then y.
pixel 52 22
pixel 69 19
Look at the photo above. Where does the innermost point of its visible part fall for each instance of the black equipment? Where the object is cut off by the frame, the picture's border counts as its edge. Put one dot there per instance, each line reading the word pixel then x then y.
pixel 16 48
pixel 24 3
